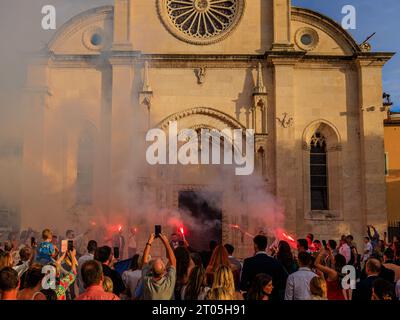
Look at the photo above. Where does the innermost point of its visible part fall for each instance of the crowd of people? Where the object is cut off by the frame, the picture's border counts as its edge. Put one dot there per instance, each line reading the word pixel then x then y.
pixel 313 270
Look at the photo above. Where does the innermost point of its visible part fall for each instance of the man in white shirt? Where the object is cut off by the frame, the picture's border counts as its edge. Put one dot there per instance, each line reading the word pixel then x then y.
pixel 367 250
pixel 298 283
pixel 91 248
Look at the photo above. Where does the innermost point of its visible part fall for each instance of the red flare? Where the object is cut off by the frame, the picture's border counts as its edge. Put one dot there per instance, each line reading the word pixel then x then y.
pixel 288 237
pixel 182 230
pixel 119 228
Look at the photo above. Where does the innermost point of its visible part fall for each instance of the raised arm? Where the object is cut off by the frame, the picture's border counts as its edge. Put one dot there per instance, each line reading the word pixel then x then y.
pixel 146 253
pixel 74 262
pixel 170 252
pixel 329 271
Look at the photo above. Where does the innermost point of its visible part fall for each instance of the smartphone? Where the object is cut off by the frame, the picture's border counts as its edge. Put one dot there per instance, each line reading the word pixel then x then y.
pixel 33 241
pixel 324 243
pixel 64 246
pixel 116 252
pixel 70 245
pixel 157 230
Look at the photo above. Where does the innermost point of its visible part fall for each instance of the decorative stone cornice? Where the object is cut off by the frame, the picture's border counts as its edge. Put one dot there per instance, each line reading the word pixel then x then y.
pixel 373 59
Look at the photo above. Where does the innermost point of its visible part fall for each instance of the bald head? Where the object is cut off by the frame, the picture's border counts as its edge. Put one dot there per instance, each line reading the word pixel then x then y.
pixel 158 267
pixel 373 267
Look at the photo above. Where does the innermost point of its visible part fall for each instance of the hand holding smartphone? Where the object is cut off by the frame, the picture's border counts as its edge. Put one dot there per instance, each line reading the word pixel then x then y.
pixel 64 246
pixel 157 231
pixel 116 252
pixel 70 245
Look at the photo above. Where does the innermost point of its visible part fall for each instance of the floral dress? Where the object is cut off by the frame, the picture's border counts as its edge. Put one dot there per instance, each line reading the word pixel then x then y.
pixel 64 284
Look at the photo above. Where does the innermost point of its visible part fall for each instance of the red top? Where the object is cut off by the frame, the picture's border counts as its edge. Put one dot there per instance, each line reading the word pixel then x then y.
pixel 97 292
pixel 335 291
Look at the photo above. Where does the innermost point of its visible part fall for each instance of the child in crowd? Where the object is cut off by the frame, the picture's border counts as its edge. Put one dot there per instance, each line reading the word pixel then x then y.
pixel 46 251
pixel 108 285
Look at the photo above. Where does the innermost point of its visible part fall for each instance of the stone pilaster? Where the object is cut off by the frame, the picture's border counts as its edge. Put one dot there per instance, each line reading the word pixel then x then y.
pixel 282 25
pixel 122 135
pixel 285 159
pixel 372 114
pixel 35 102
pixel 122 24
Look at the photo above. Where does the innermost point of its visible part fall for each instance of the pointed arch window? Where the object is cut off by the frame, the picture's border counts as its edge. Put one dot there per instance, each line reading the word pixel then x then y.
pixel 319 173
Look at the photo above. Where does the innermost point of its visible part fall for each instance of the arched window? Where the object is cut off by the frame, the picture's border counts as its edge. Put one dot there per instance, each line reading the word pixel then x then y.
pixel 323 172
pixel 319 173
pixel 85 164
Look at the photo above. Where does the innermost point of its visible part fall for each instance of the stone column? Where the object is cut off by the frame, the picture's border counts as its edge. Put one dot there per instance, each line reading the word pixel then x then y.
pixel 284 134
pixel 122 136
pixel 282 25
pixel 372 114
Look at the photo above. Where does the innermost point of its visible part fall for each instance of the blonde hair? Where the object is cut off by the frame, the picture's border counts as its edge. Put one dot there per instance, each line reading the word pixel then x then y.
pixel 318 287
pixel 46 234
pixel 108 285
pixel 223 279
pixel 219 294
pixel 220 257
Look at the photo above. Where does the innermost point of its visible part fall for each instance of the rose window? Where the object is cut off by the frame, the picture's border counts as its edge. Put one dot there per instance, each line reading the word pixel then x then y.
pixel 201 21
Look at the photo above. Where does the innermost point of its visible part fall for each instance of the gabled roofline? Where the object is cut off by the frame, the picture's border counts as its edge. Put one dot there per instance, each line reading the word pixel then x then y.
pixel 103 10
pixel 316 16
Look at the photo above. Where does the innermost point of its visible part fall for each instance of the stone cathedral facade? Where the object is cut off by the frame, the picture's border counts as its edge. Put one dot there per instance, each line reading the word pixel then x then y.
pixel 310 92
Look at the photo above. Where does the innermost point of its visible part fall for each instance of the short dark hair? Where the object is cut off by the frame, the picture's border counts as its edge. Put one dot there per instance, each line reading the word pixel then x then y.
pixel 25 253
pixel 68 232
pixel 50 294
pixel 303 243
pixel 332 244
pixel 230 248
pixel 8 279
pixel 92 271
pixel 389 253
pixel 311 236
pixel 317 241
pixel 33 276
pixel 103 254
pixel 212 245
pixel 304 258
pixel 261 242
pixel 383 289
pixel 135 262
pixel 92 246
pixel 8 246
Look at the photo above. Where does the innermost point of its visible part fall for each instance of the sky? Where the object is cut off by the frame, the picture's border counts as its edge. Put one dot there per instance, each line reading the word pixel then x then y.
pixel 21 19
pixel 380 16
